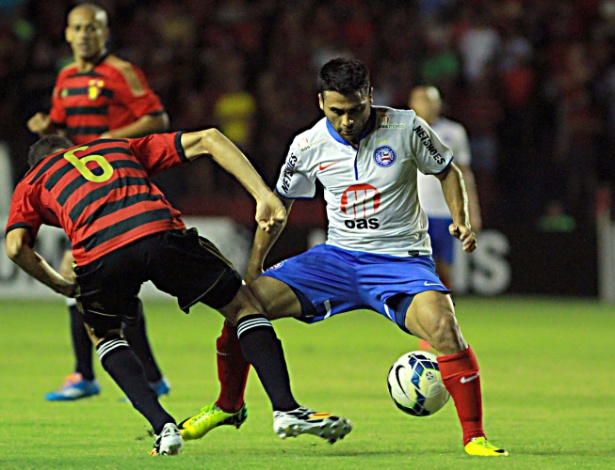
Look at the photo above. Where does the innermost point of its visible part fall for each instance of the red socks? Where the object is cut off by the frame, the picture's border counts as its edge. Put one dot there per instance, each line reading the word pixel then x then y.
pixel 232 370
pixel 461 377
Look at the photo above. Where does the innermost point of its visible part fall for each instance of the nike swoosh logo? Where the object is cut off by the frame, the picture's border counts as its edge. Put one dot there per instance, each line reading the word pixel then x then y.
pixel 465 380
pixel 401 386
pixel 431 283
pixel 324 166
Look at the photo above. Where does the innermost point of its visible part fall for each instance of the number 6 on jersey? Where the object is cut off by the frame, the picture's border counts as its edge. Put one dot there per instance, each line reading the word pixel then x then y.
pixel 81 165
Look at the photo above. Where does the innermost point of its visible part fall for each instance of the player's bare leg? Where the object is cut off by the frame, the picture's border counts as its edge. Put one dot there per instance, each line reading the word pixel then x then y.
pixel 431 316
pixel 278 298
pixel 444 271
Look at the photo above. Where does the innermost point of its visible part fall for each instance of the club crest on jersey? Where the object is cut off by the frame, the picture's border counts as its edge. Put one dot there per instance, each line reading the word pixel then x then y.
pixel 384 156
pixel 277 266
pixel 95 88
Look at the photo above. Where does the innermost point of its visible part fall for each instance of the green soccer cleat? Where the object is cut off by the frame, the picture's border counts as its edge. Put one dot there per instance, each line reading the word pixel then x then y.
pixel 209 417
pixel 480 446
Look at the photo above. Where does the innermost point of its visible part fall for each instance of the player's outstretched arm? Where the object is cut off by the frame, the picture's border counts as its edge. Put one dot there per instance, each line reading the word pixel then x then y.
pixel 270 211
pixel 470 183
pixel 456 198
pixel 18 249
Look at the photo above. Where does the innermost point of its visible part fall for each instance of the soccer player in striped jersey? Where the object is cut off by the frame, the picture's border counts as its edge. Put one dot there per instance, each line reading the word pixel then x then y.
pixel 124 232
pixel 378 253
pixel 99 95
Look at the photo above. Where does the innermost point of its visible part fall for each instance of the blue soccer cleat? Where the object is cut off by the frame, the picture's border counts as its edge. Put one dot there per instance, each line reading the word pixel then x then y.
pixel 162 387
pixel 75 387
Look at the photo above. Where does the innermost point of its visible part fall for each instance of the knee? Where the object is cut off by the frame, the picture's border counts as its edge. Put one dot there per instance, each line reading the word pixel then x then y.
pixel 99 334
pixel 446 325
pixel 243 304
pixel 446 336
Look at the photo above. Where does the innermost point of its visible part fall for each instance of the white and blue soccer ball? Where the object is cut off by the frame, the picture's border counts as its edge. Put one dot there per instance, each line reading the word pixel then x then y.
pixel 415 384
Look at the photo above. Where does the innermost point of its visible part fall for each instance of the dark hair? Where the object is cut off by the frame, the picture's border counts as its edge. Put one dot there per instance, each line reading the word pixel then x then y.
pixel 45 147
pixel 345 76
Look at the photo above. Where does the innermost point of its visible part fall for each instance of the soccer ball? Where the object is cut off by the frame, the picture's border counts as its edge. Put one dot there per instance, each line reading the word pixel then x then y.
pixel 415 384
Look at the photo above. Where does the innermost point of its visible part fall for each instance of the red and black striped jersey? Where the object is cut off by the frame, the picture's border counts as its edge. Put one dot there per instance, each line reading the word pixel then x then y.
pixel 100 193
pixel 113 94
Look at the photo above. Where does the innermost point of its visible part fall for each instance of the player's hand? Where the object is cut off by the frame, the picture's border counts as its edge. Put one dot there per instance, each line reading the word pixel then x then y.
pixel 465 235
pixel 270 213
pixel 39 123
pixel 106 135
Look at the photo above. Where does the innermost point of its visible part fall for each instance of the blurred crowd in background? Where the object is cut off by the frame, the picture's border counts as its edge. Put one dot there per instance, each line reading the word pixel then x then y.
pixel 533 81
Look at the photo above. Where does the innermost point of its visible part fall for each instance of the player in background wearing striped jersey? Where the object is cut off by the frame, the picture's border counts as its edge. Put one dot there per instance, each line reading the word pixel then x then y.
pixel 378 253
pixel 427 103
pixel 124 232
pixel 99 95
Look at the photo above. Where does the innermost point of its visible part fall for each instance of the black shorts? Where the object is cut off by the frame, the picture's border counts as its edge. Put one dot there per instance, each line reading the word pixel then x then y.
pixel 179 262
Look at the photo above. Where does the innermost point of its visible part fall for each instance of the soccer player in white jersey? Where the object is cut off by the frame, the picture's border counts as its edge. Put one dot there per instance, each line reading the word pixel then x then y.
pixel 378 253
pixel 427 103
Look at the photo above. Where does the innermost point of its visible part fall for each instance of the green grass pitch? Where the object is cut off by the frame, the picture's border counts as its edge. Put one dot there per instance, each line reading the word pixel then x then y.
pixel 547 368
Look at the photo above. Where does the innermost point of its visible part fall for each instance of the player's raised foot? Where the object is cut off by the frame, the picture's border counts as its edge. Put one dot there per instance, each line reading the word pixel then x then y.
pixel 305 421
pixel 482 447
pixel 209 417
pixel 74 388
pixel 168 442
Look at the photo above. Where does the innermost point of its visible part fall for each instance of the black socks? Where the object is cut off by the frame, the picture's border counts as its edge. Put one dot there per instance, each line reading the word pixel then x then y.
pixel 263 350
pixel 122 364
pixel 136 336
pixel 82 346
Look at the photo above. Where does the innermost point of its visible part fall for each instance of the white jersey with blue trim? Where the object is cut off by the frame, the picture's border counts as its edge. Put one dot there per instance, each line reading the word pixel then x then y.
pixel 371 192
pixel 454 135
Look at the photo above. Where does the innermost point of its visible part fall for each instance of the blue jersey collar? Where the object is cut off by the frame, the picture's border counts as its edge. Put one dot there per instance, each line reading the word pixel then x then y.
pixel 371 122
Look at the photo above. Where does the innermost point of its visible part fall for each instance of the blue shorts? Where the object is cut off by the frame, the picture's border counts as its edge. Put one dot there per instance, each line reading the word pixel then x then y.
pixel 442 242
pixel 330 280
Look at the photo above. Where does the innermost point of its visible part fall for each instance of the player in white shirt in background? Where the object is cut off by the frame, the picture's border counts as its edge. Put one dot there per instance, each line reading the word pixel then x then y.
pixel 427 103
pixel 377 255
